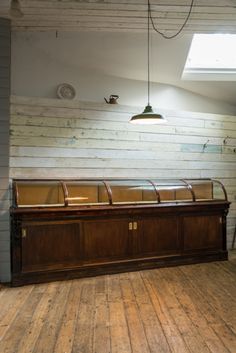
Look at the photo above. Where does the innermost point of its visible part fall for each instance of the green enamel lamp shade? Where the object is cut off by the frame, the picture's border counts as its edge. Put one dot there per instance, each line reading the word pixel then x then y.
pixel 147 117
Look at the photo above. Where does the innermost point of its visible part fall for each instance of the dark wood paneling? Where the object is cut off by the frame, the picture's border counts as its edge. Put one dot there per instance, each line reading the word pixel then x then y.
pixel 69 242
pixel 202 232
pixel 106 240
pixel 50 246
pixel 157 236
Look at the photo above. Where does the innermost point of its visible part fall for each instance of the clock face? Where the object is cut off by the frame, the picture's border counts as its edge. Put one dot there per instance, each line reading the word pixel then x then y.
pixel 66 91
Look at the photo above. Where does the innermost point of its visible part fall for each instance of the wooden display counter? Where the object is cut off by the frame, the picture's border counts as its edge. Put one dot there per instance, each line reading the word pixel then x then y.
pixel 74 228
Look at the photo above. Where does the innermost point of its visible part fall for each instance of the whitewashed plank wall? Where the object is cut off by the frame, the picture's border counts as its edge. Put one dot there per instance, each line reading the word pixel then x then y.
pixel 55 138
pixel 4 149
pixel 122 15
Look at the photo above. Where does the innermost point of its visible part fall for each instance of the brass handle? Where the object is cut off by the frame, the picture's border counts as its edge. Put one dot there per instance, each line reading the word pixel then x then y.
pixel 133 225
pixel 23 233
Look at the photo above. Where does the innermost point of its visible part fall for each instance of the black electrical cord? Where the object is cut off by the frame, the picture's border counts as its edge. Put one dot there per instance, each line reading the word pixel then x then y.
pixel 181 28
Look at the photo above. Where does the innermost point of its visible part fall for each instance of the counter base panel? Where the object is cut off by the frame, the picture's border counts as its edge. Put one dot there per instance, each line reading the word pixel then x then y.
pixel 116 267
pixel 47 245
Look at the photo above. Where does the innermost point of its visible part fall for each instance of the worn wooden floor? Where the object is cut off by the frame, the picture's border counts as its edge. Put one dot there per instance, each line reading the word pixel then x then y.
pixel 182 309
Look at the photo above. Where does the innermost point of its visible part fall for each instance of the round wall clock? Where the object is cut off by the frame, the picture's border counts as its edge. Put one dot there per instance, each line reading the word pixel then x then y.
pixel 66 91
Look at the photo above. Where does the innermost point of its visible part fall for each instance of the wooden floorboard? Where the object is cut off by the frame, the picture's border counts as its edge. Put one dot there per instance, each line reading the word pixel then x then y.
pixel 185 309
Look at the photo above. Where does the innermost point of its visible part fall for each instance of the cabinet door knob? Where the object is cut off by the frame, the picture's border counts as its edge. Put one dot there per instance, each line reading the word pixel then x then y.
pixel 135 225
pixel 130 226
pixel 23 233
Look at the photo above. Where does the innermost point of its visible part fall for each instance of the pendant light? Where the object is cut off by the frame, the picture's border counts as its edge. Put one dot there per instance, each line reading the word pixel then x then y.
pixel 15 9
pixel 148 116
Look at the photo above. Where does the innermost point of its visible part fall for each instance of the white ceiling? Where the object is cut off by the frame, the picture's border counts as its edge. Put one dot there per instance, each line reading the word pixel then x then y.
pixel 131 17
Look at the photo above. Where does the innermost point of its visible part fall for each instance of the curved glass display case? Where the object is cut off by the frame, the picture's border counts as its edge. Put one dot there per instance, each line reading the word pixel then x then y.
pixel 67 228
pixel 63 193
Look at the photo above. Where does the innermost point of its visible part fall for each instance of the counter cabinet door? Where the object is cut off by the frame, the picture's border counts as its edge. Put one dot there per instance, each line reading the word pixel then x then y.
pixel 50 245
pixel 202 232
pixel 106 240
pixel 156 236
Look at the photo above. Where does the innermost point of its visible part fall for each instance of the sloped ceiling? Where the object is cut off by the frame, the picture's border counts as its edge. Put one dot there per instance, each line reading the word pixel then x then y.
pixel 130 17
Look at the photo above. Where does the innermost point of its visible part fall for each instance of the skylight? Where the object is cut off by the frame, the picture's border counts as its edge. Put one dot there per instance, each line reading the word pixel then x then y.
pixel 211 57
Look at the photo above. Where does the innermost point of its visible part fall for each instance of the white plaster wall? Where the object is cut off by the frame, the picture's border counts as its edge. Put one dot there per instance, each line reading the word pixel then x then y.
pixel 100 64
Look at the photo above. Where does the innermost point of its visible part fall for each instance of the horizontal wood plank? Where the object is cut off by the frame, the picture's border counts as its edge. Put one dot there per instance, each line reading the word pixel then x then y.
pixel 5 46
pixel 121 15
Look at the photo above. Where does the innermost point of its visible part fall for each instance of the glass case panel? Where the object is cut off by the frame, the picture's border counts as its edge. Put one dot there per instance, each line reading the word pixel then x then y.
pixel 173 190
pixel 203 189
pixel 132 191
pixel 208 189
pixel 39 193
pixel 87 193
pixel 219 192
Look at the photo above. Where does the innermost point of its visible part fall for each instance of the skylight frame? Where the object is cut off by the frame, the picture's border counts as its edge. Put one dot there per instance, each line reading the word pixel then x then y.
pixel 212 67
